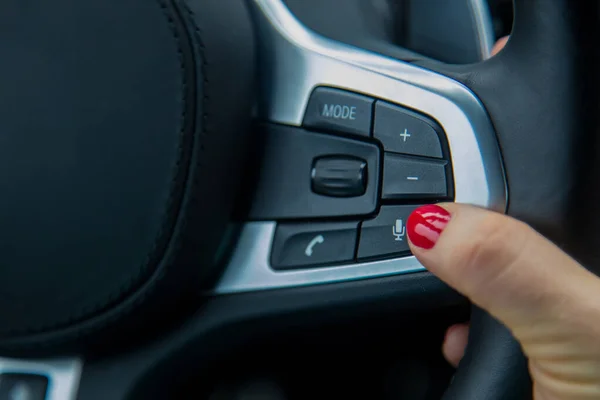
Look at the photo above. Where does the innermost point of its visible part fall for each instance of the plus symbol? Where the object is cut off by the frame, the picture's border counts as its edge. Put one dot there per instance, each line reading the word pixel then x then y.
pixel 405 134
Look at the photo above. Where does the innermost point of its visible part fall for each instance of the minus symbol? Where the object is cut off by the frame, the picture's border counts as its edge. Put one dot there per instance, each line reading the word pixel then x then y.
pixel 412 178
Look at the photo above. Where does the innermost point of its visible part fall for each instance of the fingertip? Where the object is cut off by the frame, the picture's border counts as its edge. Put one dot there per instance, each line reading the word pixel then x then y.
pixel 455 343
pixel 417 248
pixel 499 45
pixel 425 225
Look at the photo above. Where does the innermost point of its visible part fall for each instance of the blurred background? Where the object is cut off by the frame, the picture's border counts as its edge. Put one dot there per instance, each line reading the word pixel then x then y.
pixel 452 31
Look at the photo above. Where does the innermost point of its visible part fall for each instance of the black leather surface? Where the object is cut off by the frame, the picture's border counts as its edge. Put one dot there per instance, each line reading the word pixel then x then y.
pixel 533 91
pixel 93 149
pixel 226 324
pixel 97 41
pixel 493 367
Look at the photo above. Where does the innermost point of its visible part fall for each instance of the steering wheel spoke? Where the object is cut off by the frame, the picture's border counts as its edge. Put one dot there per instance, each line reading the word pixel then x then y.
pixel 302 74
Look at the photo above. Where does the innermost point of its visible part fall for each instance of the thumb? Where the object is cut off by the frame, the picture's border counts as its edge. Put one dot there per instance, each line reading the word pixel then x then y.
pixel 500 264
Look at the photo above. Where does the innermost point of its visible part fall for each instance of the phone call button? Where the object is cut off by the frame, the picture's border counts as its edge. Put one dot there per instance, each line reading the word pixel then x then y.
pixel 313 245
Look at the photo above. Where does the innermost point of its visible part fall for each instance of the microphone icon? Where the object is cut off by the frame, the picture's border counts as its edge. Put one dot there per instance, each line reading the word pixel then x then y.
pixel 398 230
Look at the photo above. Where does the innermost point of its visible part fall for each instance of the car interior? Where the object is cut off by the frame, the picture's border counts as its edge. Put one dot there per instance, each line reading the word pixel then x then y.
pixel 206 199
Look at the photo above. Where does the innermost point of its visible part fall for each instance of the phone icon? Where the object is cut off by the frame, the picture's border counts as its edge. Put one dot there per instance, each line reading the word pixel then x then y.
pixel 316 240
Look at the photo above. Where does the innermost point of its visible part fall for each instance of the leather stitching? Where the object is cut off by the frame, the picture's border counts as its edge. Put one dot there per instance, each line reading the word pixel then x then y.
pixel 159 246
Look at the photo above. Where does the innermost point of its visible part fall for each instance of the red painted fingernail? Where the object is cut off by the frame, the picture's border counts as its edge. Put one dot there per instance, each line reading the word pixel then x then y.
pixel 425 225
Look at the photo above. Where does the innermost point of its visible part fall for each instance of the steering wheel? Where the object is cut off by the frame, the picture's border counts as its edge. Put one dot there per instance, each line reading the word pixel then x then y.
pixel 179 175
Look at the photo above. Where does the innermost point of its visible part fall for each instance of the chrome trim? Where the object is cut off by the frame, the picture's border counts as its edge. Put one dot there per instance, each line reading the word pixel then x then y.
pixel 484 26
pixel 63 374
pixel 250 270
pixel 295 61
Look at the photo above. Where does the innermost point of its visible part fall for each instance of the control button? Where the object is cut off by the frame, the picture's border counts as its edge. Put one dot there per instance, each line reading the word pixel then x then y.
pixel 332 109
pixel 385 236
pixel 339 176
pixel 300 245
pixel 23 387
pixel 284 189
pixel 404 131
pixel 408 178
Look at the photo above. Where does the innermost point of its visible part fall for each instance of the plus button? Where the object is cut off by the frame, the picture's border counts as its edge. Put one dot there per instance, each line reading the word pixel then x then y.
pixel 404 135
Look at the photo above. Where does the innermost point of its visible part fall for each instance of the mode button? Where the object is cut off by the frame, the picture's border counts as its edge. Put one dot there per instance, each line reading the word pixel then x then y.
pixel 337 110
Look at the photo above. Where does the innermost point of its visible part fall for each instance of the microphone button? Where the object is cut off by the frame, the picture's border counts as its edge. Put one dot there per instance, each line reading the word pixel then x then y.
pixel 385 235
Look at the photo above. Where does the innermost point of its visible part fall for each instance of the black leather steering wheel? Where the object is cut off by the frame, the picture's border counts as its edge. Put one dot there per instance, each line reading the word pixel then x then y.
pixel 152 194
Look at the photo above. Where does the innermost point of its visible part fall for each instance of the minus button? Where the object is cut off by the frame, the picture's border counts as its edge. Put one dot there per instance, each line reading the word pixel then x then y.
pixel 412 178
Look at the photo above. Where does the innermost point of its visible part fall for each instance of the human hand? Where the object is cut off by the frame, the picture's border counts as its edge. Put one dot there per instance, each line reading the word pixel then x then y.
pixel 549 302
